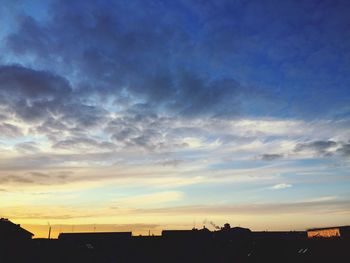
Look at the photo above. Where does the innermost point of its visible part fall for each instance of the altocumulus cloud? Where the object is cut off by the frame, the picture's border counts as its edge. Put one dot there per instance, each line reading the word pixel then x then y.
pixel 105 51
pixel 111 63
pixel 31 94
pixel 114 55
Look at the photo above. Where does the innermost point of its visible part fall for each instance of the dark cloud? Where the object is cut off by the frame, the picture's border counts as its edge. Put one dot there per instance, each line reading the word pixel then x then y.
pixel 36 178
pixel 270 157
pixel 144 130
pixel 170 162
pixel 16 179
pixel 48 102
pixel 52 128
pixel 3 117
pixel 88 60
pixel 136 130
pixel 109 53
pixel 39 174
pixel 85 143
pixel 32 84
pixel 198 96
pixel 319 147
pixel 30 94
pixel 344 150
pixel 27 147
pixel 9 130
pixel 51 125
pixel 83 116
pixel 190 57
pixel 326 148
pixel 44 160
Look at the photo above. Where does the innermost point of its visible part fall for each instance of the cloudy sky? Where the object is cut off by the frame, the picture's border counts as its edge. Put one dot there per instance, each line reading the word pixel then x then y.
pixel 147 115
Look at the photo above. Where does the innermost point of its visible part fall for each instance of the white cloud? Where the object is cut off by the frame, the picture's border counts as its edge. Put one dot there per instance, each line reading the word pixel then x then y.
pixel 281 186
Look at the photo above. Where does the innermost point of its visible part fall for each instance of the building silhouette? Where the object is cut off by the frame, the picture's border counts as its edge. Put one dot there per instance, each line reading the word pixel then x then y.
pixel 15 242
pixel 226 244
pixel 13 232
pixel 95 239
pixel 329 232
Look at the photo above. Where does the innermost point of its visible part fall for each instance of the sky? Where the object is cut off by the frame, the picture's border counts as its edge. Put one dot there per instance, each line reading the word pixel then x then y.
pixel 149 115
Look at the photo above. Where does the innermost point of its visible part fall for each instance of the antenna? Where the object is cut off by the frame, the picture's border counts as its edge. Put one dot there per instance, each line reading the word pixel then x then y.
pixel 49 235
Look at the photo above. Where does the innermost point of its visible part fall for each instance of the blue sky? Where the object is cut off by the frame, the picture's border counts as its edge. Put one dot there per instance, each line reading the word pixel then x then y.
pixel 166 112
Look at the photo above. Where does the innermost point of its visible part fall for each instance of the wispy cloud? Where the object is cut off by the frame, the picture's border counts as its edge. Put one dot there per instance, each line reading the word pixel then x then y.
pixel 153 199
pixel 281 186
pixel 316 206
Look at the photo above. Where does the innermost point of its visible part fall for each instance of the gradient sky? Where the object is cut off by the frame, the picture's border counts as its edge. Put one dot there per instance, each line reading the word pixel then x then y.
pixel 138 115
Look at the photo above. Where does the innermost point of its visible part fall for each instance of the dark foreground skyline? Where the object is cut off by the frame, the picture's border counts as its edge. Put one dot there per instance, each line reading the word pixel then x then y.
pixel 157 114
pixel 227 244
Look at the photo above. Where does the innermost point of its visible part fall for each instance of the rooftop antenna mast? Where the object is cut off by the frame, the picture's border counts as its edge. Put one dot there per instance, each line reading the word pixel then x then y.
pixel 49 235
